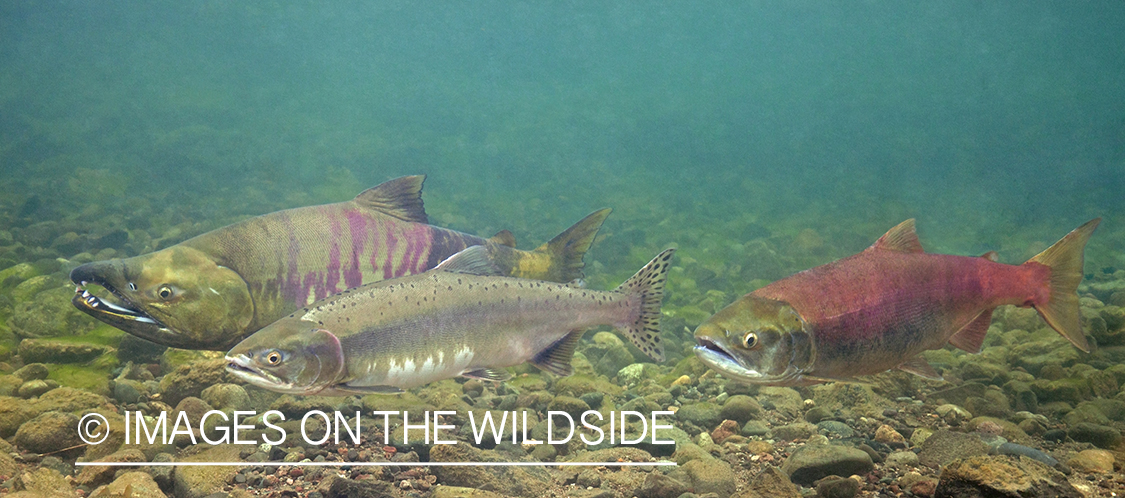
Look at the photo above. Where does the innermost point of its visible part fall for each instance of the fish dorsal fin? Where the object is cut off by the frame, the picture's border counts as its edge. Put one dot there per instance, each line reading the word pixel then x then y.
pixel 504 238
pixel 401 198
pixel 473 260
pixel 919 367
pixel 901 238
pixel 556 358
pixel 971 337
pixel 492 374
pixel 991 256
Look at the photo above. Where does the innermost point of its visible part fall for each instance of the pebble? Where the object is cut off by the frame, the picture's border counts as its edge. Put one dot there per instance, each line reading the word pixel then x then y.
pixel 1093 461
pixel 810 463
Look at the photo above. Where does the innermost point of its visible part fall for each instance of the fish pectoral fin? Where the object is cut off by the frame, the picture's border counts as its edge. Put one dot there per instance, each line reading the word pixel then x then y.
pixel 556 358
pixel 918 366
pixel 970 338
pixel 901 238
pixel 504 238
pixel 401 198
pixel 368 389
pixel 490 374
pixel 472 260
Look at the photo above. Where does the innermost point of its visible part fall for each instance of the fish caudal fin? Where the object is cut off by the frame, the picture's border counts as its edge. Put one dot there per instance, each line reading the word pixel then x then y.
pixel 564 253
pixel 1065 260
pixel 648 285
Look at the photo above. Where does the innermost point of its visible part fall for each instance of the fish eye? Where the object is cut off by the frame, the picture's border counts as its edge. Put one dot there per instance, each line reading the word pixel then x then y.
pixel 165 292
pixel 750 340
pixel 273 358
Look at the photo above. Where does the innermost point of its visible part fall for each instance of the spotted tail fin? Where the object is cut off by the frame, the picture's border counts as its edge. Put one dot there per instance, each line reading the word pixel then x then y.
pixel 1065 260
pixel 648 285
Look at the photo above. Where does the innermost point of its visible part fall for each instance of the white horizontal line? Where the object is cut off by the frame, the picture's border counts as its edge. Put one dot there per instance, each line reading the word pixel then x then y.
pixel 375 464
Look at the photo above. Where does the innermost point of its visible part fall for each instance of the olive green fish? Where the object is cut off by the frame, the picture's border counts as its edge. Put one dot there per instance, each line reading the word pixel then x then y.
pixel 213 290
pixel 457 319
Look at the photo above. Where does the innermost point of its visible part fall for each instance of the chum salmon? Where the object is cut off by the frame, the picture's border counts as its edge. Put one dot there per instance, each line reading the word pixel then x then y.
pixel 459 319
pixel 881 308
pixel 213 290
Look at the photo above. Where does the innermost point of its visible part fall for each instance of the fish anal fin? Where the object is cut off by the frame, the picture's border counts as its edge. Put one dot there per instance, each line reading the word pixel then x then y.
pixel 991 256
pixel 504 238
pixel 474 260
pixel 901 238
pixel 970 338
pixel 556 358
pixel 355 389
pixel 401 198
pixel 919 367
pixel 490 374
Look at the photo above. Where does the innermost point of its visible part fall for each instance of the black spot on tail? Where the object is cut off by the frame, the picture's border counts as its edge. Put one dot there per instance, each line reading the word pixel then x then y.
pixel 648 287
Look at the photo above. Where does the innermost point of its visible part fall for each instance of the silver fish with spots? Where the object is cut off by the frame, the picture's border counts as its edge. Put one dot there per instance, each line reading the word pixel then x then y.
pixel 459 319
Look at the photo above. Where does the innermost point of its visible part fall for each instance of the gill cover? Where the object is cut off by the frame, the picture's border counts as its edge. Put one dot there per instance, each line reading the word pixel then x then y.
pixel 757 340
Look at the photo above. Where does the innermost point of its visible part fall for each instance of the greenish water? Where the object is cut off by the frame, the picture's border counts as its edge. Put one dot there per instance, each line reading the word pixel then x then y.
pixel 734 130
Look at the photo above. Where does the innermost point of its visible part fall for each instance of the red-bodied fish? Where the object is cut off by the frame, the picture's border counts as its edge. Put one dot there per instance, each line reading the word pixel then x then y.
pixel 881 308
pixel 213 290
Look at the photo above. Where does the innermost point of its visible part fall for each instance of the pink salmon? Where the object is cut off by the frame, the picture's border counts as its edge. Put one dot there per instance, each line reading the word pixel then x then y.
pixel 457 319
pixel 881 308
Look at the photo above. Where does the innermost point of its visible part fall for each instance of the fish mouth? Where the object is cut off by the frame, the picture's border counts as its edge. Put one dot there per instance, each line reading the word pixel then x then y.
pixel 719 358
pixel 124 314
pixel 243 368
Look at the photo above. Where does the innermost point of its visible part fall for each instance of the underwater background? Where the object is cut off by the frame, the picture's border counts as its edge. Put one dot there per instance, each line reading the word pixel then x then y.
pixel 760 138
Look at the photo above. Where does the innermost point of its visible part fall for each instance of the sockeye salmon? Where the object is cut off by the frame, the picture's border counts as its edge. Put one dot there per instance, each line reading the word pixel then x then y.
pixel 213 290
pixel 457 319
pixel 881 308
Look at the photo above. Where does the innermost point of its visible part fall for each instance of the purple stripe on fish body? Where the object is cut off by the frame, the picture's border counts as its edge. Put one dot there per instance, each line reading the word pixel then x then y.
pixel 332 271
pixel 400 268
pixel 357 229
pixel 388 268
pixel 292 284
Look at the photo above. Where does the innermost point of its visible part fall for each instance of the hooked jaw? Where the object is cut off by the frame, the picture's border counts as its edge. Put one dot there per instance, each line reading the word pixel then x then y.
pixel 125 315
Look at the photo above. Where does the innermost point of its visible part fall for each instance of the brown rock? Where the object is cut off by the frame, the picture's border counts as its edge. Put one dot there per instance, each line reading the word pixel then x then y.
pixel 131 484
pixel 771 482
pixel 192 379
pixel 987 476
pixel 94 475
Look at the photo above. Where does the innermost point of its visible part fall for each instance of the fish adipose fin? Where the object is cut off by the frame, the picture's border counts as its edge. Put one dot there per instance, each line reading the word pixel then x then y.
pixel 556 358
pixel 473 260
pixel 565 251
pixel 504 238
pixel 491 374
pixel 1065 260
pixel 401 198
pixel 648 285
pixel 919 367
pixel 901 238
pixel 971 337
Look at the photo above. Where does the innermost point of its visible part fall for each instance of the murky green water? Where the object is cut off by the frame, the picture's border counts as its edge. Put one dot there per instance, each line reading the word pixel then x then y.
pixel 760 138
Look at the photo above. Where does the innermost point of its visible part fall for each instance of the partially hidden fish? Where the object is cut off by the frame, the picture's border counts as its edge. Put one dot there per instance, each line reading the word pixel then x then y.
pixel 458 319
pixel 213 290
pixel 881 308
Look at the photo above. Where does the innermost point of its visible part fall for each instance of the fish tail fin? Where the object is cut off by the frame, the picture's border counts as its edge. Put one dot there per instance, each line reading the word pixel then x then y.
pixel 648 285
pixel 560 259
pixel 1065 260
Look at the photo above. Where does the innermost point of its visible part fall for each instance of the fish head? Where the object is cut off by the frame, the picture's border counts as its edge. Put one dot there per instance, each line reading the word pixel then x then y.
pixel 757 340
pixel 178 297
pixel 289 356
